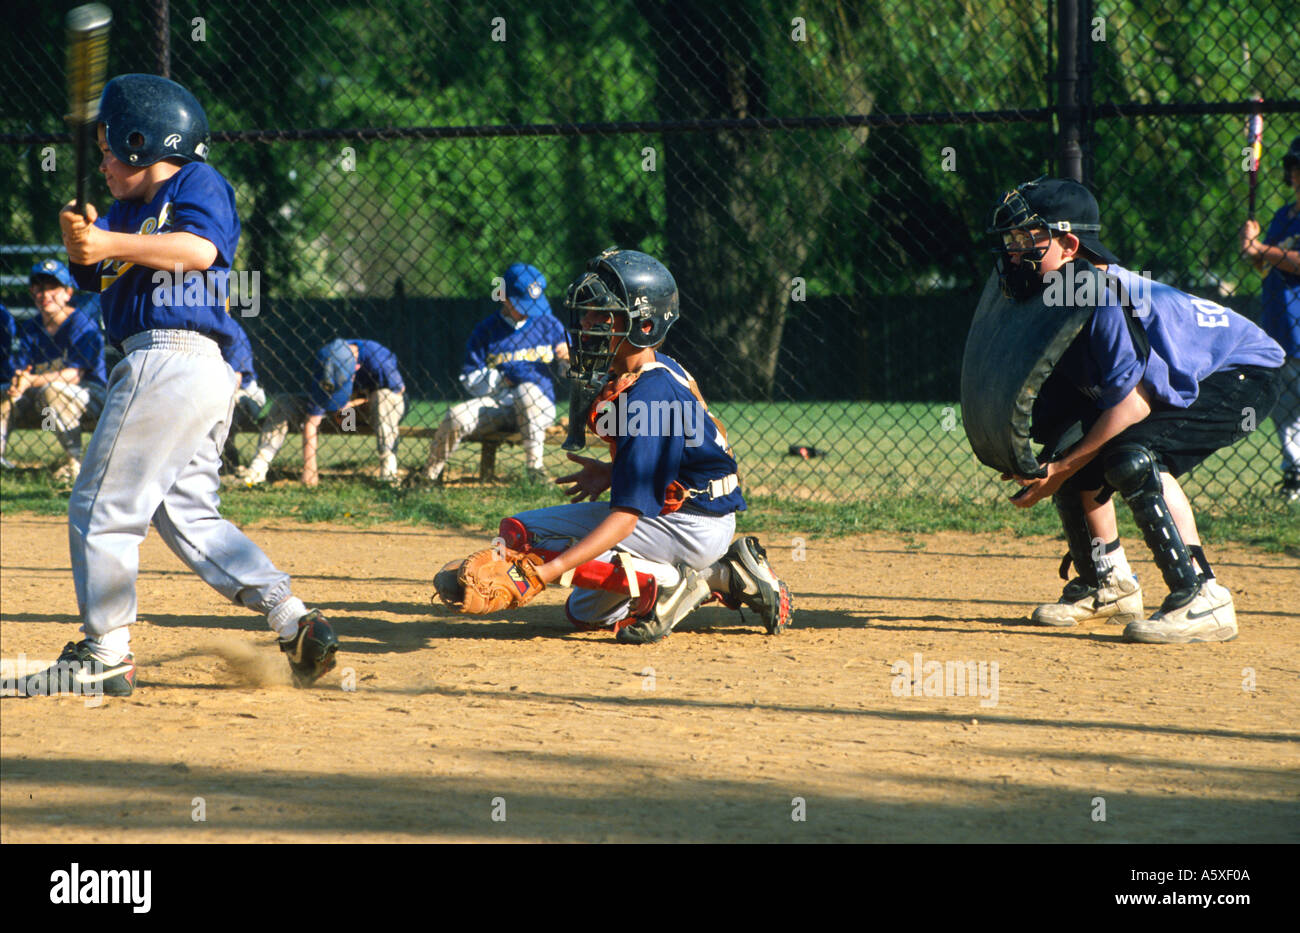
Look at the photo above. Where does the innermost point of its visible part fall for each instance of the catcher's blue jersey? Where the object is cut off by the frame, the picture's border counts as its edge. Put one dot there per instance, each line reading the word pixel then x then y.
pixel 663 434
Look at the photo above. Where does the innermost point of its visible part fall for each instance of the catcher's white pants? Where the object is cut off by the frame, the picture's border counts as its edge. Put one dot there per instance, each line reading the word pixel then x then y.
pixel 524 407
pixel 154 457
pixel 59 407
pixel 683 537
pixel 1286 415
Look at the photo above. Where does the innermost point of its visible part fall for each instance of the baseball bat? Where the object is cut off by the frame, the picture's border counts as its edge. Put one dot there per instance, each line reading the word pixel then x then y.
pixel 1255 136
pixel 87 35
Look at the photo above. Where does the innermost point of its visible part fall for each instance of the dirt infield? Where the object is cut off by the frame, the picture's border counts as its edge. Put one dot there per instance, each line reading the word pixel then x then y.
pixel 442 728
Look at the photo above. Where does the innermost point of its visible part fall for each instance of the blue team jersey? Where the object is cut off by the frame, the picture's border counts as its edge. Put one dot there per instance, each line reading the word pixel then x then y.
pixel 522 355
pixel 667 436
pixel 76 344
pixel 239 355
pixel 195 200
pixel 1281 289
pixel 378 371
pixel 1190 338
pixel 8 328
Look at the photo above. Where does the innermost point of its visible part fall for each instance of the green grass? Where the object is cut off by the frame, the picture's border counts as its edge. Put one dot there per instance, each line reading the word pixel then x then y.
pixel 903 467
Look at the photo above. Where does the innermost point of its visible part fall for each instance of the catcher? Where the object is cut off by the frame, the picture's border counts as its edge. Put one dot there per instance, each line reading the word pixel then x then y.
pixel 658 548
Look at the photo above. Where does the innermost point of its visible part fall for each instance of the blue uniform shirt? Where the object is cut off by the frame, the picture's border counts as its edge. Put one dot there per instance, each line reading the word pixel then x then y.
pixel 1281 289
pixel 8 328
pixel 1190 338
pixel 195 200
pixel 76 344
pixel 663 446
pixel 239 355
pixel 378 371
pixel 522 355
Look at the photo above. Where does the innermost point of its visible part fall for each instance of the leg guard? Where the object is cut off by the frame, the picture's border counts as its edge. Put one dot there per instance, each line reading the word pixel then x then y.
pixel 1078 537
pixel 625 574
pixel 1132 470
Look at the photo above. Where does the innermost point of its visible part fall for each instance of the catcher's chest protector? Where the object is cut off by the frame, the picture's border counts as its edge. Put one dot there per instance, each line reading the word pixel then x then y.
pixel 1011 349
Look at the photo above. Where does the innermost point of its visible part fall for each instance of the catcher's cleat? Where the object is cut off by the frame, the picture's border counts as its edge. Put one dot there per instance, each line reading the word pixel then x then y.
pixel 311 652
pixel 1118 600
pixel 755 585
pixel 80 673
pixel 1208 616
pixel 446 583
pixel 673 604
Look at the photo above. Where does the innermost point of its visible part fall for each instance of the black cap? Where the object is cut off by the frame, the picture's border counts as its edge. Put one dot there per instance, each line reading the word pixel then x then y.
pixel 1066 206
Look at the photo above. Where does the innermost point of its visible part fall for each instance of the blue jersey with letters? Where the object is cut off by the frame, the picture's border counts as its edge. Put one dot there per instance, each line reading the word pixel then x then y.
pixel 1281 319
pixel 1190 338
pixel 378 371
pixel 239 355
pixel 522 355
pixel 76 344
pixel 195 200
pixel 665 434
pixel 8 328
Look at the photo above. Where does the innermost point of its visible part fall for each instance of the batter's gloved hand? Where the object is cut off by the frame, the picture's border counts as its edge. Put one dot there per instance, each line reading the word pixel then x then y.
pixel 490 581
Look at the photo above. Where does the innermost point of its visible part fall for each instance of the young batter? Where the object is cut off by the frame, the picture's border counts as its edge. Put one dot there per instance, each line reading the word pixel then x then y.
pixel 155 454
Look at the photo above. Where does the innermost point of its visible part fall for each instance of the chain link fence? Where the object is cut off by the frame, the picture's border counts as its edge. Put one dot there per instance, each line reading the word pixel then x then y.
pixel 816 175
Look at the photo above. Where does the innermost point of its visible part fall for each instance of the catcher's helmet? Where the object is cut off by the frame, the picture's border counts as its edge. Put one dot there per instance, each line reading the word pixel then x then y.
pixel 618 280
pixel 1032 212
pixel 147 118
pixel 1291 160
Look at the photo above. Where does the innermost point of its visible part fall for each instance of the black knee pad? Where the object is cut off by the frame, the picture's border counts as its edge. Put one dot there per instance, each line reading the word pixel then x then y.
pixel 1135 474
pixel 1133 471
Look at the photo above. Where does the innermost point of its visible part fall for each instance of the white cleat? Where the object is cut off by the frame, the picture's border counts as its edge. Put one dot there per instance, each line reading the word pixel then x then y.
pixel 251 475
pixel 1118 599
pixel 1210 616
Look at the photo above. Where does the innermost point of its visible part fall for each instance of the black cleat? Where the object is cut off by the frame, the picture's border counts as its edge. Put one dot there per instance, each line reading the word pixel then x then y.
pixel 311 652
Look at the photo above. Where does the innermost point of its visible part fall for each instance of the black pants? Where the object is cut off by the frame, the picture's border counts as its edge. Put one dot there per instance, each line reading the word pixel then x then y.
pixel 1228 403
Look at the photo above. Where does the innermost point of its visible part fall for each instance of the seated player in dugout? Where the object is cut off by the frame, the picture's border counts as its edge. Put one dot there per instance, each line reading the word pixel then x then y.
pixel 661 546
pixel 507 371
pixel 59 374
pixel 1157 385
pixel 355 381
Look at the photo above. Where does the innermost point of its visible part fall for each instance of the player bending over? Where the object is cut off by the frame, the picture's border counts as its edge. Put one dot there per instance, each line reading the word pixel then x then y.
pixel 155 453
pixel 659 548
pixel 1158 386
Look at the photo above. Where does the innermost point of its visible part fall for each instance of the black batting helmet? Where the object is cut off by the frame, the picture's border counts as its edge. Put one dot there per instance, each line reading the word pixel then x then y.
pixel 618 280
pixel 147 118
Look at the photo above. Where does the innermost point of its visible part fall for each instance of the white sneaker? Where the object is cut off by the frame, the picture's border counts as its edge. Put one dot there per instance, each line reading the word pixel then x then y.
pixel 69 472
pixel 388 468
pixel 1118 599
pixel 1210 616
pixel 252 475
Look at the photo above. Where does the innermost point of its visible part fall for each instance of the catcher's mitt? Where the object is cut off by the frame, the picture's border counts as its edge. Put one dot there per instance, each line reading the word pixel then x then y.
pixel 484 582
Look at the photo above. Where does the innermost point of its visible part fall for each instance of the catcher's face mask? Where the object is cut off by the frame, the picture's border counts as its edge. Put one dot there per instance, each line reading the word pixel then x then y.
pixel 594 334
pixel 1020 241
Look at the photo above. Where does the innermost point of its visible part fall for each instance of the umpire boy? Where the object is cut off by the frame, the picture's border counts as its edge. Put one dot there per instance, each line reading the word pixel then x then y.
pixel 1158 388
